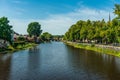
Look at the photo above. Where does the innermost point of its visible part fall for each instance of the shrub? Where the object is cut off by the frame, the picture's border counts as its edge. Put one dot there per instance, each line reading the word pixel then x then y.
pixel 15 44
pixel 92 45
pixel 21 38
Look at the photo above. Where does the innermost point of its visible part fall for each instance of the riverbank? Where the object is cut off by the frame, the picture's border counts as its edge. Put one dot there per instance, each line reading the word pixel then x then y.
pixel 111 50
pixel 19 47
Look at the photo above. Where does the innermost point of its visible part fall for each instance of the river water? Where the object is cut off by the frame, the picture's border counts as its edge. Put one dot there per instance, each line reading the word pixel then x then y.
pixel 57 61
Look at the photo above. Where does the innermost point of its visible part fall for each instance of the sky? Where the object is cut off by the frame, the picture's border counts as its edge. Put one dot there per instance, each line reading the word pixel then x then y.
pixel 55 16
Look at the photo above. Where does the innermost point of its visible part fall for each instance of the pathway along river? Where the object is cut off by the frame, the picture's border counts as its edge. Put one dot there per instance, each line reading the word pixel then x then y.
pixel 57 61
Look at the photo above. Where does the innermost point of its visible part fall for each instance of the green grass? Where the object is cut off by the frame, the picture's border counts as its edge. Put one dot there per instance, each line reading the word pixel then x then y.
pixel 27 45
pixel 97 49
pixel 18 47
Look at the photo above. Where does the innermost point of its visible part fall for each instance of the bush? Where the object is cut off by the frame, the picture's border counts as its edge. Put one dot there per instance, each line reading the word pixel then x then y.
pixel 15 44
pixel 21 38
pixel 92 45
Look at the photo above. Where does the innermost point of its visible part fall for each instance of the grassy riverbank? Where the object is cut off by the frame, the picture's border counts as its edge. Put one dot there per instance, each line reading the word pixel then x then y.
pixel 95 48
pixel 19 47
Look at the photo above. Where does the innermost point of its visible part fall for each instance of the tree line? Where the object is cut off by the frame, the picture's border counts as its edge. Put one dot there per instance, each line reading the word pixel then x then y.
pixel 7 33
pixel 34 30
pixel 98 31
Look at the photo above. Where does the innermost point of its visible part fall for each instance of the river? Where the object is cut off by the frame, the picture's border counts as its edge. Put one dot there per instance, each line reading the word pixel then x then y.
pixel 57 61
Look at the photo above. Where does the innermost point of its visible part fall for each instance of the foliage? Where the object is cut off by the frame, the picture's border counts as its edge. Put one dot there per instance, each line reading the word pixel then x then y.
pixel 21 45
pixel 46 36
pixel 117 10
pixel 98 31
pixel 5 29
pixel 15 44
pixel 21 38
pixel 57 37
pixel 92 47
pixel 34 29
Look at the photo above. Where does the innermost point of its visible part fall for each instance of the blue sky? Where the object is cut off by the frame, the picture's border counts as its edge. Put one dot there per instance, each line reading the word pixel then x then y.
pixel 55 16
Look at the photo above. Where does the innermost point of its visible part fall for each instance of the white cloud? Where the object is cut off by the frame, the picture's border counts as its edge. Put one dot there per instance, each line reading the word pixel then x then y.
pixel 59 24
pixel 92 14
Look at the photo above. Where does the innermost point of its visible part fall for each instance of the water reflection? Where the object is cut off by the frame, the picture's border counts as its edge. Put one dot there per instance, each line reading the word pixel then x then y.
pixel 33 64
pixel 34 50
pixel 94 65
pixel 5 60
pixel 56 61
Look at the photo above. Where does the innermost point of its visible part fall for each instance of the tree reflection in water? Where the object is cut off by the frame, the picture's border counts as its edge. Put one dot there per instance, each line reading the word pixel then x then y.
pixel 34 50
pixel 33 63
pixel 5 64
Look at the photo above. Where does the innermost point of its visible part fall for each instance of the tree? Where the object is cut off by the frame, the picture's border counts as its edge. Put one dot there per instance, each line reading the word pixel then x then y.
pixel 115 22
pixel 98 31
pixel 117 10
pixel 21 38
pixel 34 29
pixel 57 37
pixel 46 36
pixel 5 29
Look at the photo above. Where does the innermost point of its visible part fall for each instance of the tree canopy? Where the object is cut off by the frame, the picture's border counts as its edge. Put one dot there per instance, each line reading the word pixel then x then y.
pixel 117 10
pixel 5 29
pixel 46 36
pixel 34 29
pixel 98 31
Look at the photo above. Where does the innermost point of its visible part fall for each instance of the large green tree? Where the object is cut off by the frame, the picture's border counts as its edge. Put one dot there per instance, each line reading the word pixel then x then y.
pixel 34 29
pixel 5 29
